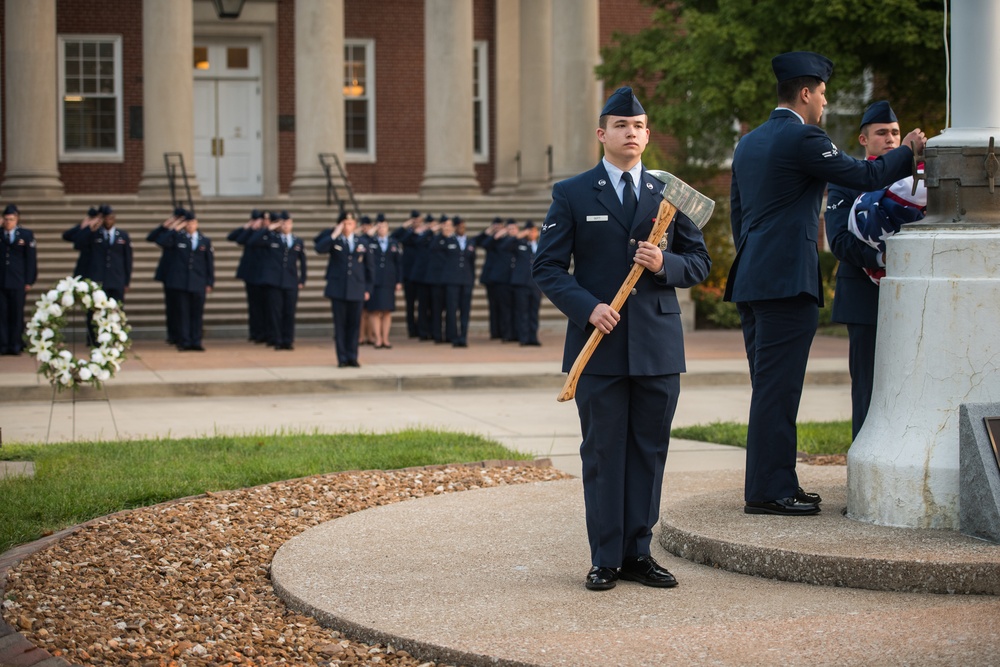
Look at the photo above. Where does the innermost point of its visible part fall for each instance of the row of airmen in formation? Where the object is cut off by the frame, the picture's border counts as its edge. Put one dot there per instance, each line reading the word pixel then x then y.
pixel 431 260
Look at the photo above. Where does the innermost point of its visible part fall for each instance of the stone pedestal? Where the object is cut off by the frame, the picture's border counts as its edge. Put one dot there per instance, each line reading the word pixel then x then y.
pixel 937 348
pixel 979 502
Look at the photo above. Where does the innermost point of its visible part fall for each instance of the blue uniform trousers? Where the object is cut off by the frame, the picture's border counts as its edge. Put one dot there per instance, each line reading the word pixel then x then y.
pixel 12 319
pixel 346 328
pixel 778 334
pixel 862 365
pixel 626 433
pixel 281 305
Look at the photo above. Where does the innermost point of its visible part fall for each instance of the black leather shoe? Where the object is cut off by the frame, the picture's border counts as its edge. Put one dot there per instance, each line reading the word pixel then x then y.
pixel 783 506
pixel 354 363
pixel 647 572
pixel 806 497
pixel 601 578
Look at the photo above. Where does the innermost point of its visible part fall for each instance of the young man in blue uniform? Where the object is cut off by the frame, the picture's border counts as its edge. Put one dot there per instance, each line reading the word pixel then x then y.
pixel 458 276
pixel 17 275
pixel 525 295
pixel 105 255
pixel 282 272
pixel 348 284
pixel 627 394
pixel 780 171
pixel 189 277
pixel 855 302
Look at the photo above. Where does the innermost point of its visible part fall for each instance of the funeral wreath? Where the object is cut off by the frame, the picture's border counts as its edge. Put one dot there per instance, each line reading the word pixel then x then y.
pixel 46 341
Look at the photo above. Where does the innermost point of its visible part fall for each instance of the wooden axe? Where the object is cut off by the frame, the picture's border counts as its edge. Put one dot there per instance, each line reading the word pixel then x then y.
pixel 677 196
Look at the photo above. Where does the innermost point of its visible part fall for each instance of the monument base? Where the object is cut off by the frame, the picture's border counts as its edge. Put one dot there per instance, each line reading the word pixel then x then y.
pixel 937 348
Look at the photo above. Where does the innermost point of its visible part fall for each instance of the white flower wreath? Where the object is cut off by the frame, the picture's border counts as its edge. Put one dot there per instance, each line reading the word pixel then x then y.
pixel 45 334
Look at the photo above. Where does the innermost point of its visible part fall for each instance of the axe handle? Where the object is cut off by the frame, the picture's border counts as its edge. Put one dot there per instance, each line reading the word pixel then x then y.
pixel 663 218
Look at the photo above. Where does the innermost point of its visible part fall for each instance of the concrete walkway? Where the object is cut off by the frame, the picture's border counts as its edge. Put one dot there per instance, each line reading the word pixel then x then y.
pixel 495 576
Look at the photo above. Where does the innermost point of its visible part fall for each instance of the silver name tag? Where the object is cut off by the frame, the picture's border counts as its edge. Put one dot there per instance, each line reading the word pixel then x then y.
pixel 597 218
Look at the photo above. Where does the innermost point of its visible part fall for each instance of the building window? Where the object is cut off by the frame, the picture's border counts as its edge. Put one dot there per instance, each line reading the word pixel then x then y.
pixel 480 102
pixel 359 100
pixel 90 109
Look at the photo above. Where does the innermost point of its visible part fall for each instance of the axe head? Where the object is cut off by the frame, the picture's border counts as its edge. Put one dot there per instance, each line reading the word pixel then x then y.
pixel 685 199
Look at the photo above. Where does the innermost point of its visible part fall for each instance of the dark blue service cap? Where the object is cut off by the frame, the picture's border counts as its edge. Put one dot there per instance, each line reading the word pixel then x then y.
pixel 497 220
pixel 511 221
pixel 92 212
pixel 189 215
pixel 457 220
pixel 343 216
pixel 256 213
pixel 428 218
pixel 529 224
pixel 414 213
pixel 622 103
pixel 179 212
pixel 380 217
pixel 365 220
pixel 105 209
pixel 801 63
pixel 443 217
pixel 284 215
pixel 11 210
pixel 879 112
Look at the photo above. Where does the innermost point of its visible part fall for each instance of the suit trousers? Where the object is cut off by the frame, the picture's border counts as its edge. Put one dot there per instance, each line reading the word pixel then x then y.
pixel 457 308
pixel 494 305
pixel 259 326
pixel 190 313
pixel 778 335
pixel 346 328
pixel 281 305
pixel 172 306
pixel 626 433
pixel 12 319
pixel 410 297
pixel 861 359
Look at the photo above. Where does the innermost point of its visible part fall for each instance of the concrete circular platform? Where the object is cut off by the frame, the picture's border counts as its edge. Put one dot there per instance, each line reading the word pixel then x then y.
pixel 828 549
pixel 495 577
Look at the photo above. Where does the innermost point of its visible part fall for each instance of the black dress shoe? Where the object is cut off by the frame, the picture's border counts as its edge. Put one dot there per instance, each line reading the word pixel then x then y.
pixel 354 364
pixel 460 344
pixel 647 572
pixel 601 578
pixel 783 506
pixel 806 497
pixel 343 364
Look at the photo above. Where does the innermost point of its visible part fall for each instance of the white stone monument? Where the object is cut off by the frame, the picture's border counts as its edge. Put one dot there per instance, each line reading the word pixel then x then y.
pixel 938 342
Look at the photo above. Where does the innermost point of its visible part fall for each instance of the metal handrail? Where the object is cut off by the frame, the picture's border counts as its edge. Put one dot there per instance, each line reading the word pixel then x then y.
pixel 329 161
pixel 172 165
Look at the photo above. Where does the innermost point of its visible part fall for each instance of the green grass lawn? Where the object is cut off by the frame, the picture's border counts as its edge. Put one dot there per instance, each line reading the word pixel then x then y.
pixel 75 482
pixel 814 437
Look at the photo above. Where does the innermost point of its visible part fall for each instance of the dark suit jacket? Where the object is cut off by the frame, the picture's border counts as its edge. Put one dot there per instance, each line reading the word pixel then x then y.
pixel 20 259
pixel 584 225
pixel 348 274
pixel 280 265
pixel 188 270
pixel 104 263
pixel 780 171
pixel 856 298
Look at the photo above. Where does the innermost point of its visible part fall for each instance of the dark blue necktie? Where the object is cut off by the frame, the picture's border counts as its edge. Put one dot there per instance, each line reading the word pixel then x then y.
pixel 628 198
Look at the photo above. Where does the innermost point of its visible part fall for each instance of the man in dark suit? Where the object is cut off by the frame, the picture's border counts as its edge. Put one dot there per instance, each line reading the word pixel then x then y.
pixel 526 297
pixel 282 271
pixel 105 255
pixel 348 284
pixel 458 277
pixel 780 171
pixel 17 275
pixel 189 277
pixel 855 302
pixel 598 221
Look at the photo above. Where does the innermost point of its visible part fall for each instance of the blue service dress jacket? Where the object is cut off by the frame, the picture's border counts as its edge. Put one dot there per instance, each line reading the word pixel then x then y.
pixel 585 224
pixel 20 259
pixel 780 170
pixel 280 265
pixel 348 274
pixel 457 266
pixel 189 269
pixel 855 300
pixel 105 261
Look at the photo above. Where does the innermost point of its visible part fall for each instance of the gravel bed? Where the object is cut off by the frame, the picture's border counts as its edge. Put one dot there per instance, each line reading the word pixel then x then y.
pixel 188 582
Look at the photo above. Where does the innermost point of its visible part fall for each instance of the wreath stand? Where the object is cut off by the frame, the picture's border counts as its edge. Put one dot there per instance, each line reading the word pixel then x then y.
pixel 73 398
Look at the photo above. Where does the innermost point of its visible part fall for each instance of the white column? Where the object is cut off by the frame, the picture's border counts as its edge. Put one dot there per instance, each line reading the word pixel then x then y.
pixel 508 96
pixel 937 345
pixel 319 94
pixel 449 168
pixel 576 101
pixel 536 94
pixel 32 168
pixel 167 92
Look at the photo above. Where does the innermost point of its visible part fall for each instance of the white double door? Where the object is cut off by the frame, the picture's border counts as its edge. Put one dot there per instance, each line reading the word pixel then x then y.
pixel 228 143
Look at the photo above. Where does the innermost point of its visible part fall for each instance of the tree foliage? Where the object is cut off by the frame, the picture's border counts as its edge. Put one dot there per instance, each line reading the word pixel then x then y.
pixel 703 67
